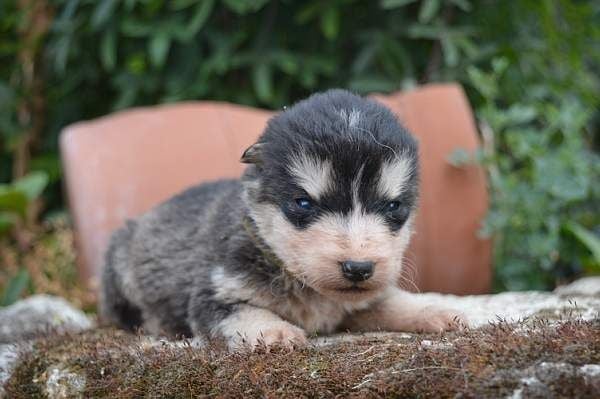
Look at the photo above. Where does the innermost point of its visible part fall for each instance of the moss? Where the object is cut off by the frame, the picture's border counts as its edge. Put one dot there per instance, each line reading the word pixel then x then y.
pixel 24 380
pixel 485 362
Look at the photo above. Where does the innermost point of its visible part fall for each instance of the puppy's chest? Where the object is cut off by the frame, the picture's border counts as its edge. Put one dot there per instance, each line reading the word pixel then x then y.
pixel 313 312
pixel 310 313
pixel 301 306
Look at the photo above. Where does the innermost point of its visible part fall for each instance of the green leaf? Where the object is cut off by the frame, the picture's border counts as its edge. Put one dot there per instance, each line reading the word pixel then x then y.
pixel 262 81
pixel 203 11
pixel 364 58
pixel 308 12
pixel 133 28
pixel 129 4
pixel 499 65
pixel 61 54
pixel 560 177
pixel 428 10
pixel 389 4
pixel 587 238
pixel 519 114
pixel 15 287
pixel 330 23
pixel 419 31
pixel 286 63
pixel 182 4
pixel 159 48
pixel 136 64
pixel 373 84
pixel 108 50
pixel 450 51
pixel 464 5
pixel 484 83
pixel 13 200
pixel 48 163
pixel 103 11
pixel 460 157
pixel 245 6
pixel 400 57
pixel 126 98
pixel 32 185
pixel 7 221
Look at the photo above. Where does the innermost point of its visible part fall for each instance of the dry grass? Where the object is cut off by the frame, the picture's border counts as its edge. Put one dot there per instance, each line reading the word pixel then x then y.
pixel 48 255
pixel 478 363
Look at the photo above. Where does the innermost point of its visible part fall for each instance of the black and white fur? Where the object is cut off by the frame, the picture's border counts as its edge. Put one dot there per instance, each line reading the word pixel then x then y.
pixel 332 182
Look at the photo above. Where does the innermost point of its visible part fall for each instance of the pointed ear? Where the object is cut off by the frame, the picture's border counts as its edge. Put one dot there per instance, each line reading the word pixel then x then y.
pixel 253 154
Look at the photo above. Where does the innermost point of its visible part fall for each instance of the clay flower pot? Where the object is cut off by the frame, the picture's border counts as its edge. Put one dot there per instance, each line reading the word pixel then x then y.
pixel 121 165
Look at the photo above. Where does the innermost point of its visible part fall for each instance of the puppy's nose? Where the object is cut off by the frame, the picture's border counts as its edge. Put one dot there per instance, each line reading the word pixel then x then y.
pixel 357 271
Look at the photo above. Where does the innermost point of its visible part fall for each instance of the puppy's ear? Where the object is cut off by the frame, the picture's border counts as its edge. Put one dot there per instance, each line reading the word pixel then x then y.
pixel 253 154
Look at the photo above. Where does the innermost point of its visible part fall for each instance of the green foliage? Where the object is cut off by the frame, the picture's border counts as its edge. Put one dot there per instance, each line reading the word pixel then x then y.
pixel 15 287
pixel 538 105
pixel 529 68
pixel 543 180
pixel 17 198
pixel 588 239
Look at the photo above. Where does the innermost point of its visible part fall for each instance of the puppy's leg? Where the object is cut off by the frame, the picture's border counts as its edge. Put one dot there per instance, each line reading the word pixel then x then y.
pixel 114 305
pixel 402 311
pixel 240 324
pixel 252 326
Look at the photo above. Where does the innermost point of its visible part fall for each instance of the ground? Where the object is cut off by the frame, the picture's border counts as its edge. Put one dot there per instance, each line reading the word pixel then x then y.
pixel 539 359
pixel 521 345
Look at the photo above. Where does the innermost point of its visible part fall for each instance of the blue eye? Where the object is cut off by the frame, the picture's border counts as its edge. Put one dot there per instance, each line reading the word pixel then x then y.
pixel 392 206
pixel 304 203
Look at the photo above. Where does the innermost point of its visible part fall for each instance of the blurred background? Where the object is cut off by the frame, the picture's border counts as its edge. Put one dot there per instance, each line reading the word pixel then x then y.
pixel 531 70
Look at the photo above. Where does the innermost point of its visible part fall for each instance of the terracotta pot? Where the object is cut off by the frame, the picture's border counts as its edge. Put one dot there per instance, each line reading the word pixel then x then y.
pixel 119 166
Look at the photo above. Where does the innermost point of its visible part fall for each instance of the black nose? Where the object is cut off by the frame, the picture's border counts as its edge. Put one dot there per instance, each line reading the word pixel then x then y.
pixel 357 271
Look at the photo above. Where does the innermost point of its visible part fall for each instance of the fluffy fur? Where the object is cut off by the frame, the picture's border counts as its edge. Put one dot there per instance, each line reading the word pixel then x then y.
pixel 309 240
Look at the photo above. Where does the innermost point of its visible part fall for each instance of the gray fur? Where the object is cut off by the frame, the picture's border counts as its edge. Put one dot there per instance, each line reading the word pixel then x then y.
pixel 164 259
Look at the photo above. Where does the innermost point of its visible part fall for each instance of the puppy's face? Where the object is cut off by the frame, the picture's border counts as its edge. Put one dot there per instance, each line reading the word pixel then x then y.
pixel 332 190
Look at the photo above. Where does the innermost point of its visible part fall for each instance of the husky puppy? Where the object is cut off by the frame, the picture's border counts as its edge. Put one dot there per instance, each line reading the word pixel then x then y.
pixel 309 240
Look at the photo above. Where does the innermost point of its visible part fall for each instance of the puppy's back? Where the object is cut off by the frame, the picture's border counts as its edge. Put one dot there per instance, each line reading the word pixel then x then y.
pixel 151 262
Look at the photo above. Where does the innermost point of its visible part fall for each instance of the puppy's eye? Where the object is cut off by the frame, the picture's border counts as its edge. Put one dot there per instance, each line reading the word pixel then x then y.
pixel 396 214
pixel 300 211
pixel 392 206
pixel 304 203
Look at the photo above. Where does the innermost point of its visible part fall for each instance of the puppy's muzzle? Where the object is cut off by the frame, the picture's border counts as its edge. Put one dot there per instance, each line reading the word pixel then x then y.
pixel 357 271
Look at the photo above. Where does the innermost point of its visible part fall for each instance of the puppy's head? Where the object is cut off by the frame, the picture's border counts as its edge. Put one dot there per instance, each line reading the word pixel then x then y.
pixel 332 187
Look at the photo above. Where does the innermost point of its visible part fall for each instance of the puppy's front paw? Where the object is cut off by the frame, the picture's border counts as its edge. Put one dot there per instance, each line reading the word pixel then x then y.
pixel 285 335
pixel 274 334
pixel 435 319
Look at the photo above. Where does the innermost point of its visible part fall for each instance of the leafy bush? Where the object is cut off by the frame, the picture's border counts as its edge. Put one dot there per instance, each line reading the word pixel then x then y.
pixel 543 182
pixel 529 68
pixel 17 210
pixel 538 103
